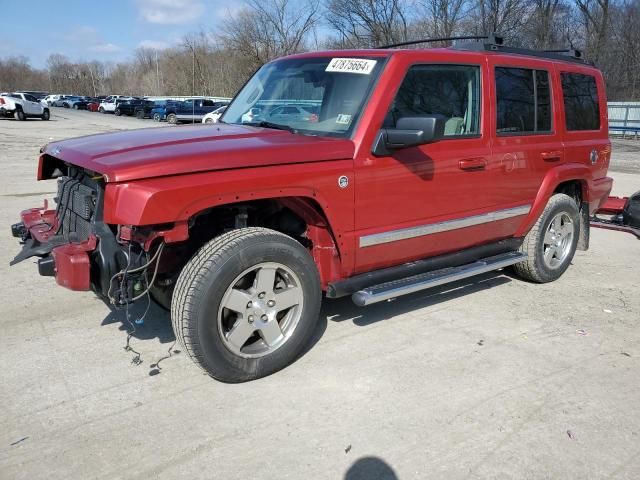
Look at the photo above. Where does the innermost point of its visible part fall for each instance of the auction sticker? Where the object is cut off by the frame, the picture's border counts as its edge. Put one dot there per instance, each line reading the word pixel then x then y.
pixel 343 119
pixel 351 65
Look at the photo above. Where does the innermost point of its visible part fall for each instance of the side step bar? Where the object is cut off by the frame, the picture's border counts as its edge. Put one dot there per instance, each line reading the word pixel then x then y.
pixel 415 283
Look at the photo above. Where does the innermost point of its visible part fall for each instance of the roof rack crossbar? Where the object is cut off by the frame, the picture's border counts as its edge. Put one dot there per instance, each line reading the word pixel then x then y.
pixel 492 39
pixel 570 52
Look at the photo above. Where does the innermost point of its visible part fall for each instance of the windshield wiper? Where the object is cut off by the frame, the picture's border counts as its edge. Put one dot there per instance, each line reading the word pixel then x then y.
pixel 275 126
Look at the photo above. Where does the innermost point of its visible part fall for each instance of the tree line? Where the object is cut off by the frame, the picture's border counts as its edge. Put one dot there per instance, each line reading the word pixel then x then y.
pixel 218 63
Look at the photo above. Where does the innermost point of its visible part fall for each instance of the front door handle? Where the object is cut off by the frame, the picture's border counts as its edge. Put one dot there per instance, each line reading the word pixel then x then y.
pixel 473 164
pixel 551 156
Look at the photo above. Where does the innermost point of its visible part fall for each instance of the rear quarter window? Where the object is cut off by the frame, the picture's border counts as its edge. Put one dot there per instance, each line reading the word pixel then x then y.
pixel 581 106
pixel 523 99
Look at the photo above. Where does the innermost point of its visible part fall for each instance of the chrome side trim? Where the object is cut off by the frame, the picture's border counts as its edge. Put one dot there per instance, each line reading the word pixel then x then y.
pixel 431 228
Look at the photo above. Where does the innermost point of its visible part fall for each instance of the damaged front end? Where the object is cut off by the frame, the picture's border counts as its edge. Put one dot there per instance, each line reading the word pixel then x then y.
pixel 74 245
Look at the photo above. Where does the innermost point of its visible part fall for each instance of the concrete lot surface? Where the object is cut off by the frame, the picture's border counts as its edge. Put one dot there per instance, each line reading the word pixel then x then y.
pixel 488 378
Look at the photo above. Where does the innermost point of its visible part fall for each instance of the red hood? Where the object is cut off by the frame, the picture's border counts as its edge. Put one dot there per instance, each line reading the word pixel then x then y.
pixel 155 152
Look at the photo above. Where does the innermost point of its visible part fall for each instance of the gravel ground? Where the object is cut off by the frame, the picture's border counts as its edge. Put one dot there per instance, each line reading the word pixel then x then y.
pixel 487 378
pixel 626 157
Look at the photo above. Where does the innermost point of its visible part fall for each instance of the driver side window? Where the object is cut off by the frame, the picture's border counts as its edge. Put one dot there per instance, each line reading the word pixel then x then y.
pixel 449 90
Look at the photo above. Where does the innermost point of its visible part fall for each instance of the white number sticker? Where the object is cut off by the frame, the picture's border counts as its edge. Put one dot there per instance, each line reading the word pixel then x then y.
pixel 343 119
pixel 351 65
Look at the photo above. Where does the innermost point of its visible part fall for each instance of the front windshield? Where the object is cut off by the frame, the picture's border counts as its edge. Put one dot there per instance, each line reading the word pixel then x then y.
pixel 314 96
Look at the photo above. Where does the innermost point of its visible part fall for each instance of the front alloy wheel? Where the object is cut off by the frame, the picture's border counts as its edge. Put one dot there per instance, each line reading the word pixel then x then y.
pixel 260 310
pixel 246 304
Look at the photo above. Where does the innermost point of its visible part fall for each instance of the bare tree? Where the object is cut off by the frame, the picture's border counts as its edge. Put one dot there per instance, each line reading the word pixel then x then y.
pixel 367 23
pixel 17 74
pixel 595 15
pixel 205 63
pixel 442 17
pixel 270 28
pixel 503 16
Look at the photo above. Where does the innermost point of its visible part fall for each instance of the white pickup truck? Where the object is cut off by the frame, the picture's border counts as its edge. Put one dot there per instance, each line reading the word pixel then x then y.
pixel 108 105
pixel 22 106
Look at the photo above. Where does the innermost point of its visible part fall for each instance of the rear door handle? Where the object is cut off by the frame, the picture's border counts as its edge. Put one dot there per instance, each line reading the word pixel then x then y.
pixel 551 156
pixel 473 164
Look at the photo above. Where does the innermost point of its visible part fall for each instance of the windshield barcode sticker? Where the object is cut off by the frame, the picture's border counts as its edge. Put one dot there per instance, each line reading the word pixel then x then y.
pixel 351 65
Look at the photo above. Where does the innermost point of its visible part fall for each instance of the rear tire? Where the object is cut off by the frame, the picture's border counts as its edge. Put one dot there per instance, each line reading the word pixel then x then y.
pixel 101 110
pixel 117 112
pixel 172 118
pixel 551 243
pixel 273 287
pixel 19 115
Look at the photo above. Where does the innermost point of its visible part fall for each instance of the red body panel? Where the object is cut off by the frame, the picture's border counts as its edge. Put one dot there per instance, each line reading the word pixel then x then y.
pixel 166 151
pixel 72 268
pixel 166 175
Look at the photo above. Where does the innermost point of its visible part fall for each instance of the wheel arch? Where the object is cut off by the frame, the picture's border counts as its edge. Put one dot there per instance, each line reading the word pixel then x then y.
pixel 297 212
pixel 571 178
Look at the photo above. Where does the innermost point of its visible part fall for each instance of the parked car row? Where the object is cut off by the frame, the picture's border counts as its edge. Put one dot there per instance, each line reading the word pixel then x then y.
pixel 190 110
pixel 172 111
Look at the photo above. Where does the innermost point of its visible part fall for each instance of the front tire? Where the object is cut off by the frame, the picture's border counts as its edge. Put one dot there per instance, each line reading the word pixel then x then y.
pixel 101 110
pixel 246 304
pixel 551 243
pixel 19 115
pixel 172 118
pixel 46 115
pixel 156 117
pixel 117 112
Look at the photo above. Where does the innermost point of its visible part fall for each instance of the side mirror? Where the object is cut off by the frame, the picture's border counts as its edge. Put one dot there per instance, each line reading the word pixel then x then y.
pixel 409 132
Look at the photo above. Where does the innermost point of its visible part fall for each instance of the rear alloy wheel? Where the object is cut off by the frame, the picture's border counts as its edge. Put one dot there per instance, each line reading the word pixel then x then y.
pixel 246 304
pixel 172 118
pixel 117 112
pixel 19 115
pixel 75 106
pixel 45 115
pixel 101 110
pixel 551 243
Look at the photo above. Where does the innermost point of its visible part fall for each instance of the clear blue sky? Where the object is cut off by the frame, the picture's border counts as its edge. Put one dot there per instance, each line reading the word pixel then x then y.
pixel 107 30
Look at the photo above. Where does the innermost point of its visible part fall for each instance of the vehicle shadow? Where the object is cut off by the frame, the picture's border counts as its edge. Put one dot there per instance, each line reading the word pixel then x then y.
pixel 343 309
pixel 370 468
pixel 156 323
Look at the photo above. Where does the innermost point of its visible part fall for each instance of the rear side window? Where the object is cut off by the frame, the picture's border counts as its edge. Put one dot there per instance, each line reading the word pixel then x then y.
pixel 523 101
pixel 581 107
pixel 449 90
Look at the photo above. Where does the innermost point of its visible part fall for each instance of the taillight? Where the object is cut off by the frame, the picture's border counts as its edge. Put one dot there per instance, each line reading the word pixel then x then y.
pixel 1 101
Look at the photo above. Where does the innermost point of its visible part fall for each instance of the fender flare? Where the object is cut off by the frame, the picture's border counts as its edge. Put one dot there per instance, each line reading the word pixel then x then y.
pixel 328 249
pixel 554 177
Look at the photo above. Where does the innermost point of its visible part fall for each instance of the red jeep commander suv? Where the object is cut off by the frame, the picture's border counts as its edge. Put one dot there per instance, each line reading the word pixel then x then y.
pixel 413 168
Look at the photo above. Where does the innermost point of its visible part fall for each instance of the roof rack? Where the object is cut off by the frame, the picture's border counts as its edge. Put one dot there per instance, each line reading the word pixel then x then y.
pixel 495 42
pixel 492 38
